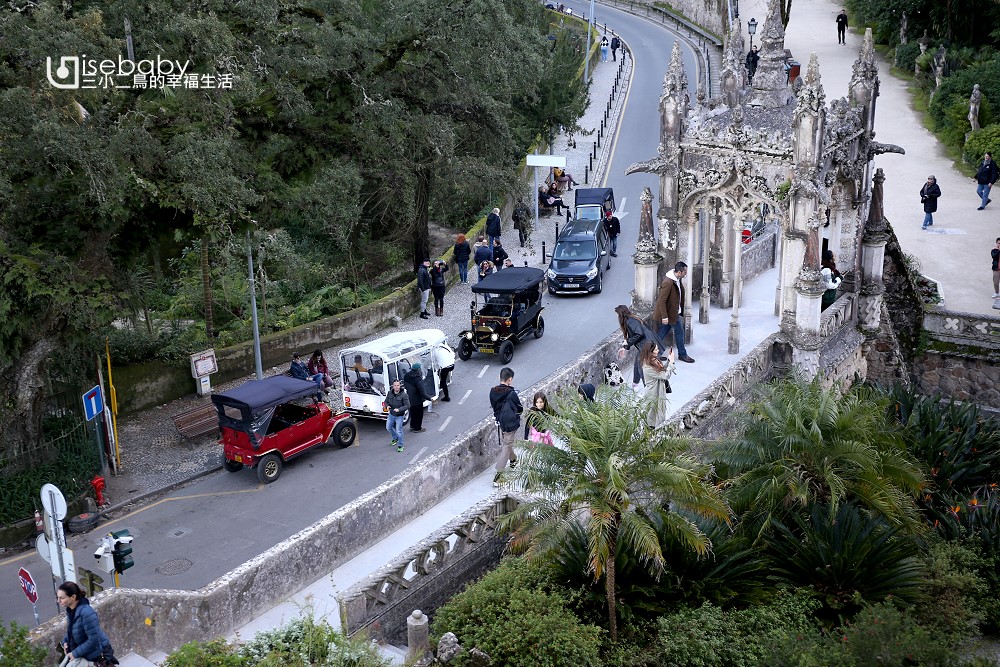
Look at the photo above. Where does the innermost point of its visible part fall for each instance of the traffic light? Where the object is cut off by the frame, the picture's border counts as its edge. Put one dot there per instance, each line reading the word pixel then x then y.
pixel 122 549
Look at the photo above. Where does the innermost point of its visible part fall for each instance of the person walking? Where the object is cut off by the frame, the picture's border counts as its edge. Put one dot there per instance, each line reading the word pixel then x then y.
pixel 669 310
pixel 444 359
pixel 484 253
pixel 604 49
pixel 614 227
pixel 499 255
pixel 398 402
pixel 929 194
pixel 424 287
pixel 462 252
pixel 656 376
pixel 438 283
pixel 522 221
pixel 995 254
pixel 842 27
pixel 84 642
pixel 986 176
pixel 615 45
pixel 753 57
pixel 413 382
pixel 507 411
pixel 493 224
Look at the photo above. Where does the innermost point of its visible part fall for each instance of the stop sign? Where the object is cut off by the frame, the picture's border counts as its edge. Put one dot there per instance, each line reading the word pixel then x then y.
pixel 28 585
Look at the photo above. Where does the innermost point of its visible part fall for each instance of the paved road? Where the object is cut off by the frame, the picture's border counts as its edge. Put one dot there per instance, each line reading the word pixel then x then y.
pixel 193 535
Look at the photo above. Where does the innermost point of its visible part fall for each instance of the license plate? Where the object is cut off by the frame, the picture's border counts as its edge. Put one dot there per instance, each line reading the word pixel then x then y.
pixel 570 286
pixel 487 349
pixel 239 459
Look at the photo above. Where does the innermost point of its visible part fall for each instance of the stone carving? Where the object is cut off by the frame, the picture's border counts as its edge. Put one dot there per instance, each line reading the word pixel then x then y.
pixel 924 43
pixel 940 66
pixel 974 101
pixel 645 247
pixel 811 98
pixel 902 28
pixel 770 81
pixel 839 315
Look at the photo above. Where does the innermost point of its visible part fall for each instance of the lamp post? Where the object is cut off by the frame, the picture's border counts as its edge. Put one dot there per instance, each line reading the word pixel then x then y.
pixel 752 29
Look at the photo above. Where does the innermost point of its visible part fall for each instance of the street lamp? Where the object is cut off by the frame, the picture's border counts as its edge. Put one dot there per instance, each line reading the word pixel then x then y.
pixel 752 29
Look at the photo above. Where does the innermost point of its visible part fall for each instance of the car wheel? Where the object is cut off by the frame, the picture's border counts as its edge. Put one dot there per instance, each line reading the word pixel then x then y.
pixel 269 468
pixel 506 351
pixel 345 432
pixel 230 465
pixel 600 283
pixel 539 327
pixel 464 349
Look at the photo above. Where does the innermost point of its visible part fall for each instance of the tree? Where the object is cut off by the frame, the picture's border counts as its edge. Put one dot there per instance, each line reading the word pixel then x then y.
pixel 799 444
pixel 619 478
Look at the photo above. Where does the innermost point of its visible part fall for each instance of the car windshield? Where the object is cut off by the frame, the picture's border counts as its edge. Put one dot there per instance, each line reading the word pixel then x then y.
pixel 588 212
pixel 575 250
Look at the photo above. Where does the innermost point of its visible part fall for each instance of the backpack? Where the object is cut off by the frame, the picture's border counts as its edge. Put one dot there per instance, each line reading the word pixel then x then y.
pixel 615 43
pixel 508 417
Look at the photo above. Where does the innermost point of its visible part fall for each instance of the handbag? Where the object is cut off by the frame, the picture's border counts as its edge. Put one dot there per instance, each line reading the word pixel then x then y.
pixel 535 435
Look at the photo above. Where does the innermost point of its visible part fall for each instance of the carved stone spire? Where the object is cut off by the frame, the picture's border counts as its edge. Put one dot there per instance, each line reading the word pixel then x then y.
pixel 864 79
pixel 811 98
pixel 876 227
pixel 673 102
pixel 732 66
pixel 770 83
pixel 675 79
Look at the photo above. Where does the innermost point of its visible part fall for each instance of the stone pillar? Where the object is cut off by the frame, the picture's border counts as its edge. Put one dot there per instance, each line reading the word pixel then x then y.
pixel 726 243
pixel 687 258
pixel 779 249
pixel 734 322
pixel 873 241
pixel 417 635
pixel 706 273
pixel 645 259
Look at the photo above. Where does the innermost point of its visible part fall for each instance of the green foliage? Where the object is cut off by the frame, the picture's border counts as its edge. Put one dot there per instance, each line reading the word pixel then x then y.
pixel 958 582
pixel 798 444
pixel 906 55
pixel 518 618
pixel 985 139
pixel 949 109
pixel 709 636
pixel 215 653
pixel 846 558
pixel 303 642
pixel 16 650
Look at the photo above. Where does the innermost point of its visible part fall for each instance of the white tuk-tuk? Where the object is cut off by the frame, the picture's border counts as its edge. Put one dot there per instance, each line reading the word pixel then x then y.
pixel 367 370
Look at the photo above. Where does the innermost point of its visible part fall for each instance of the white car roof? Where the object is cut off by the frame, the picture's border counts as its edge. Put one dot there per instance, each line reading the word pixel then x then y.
pixel 400 343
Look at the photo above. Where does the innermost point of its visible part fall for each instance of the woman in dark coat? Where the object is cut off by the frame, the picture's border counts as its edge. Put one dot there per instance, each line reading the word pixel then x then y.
pixel 928 197
pixel 413 383
pixel 438 283
pixel 84 639
pixel 636 334
pixel 462 254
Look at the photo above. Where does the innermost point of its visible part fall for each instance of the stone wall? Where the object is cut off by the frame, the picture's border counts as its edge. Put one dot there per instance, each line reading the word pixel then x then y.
pixel 758 255
pixel 710 15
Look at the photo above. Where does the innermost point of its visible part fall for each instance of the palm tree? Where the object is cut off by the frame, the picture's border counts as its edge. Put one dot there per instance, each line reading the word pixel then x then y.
pixel 620 480
pixel 799 444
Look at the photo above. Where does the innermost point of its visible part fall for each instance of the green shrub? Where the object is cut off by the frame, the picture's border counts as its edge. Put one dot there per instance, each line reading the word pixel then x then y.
pixel 215 653
pixel 946 109
pixel 519 619
pixel 906 55
pixel 303 642
pixel 985 139
pixel 16 650
pixel 962 596
pixel 711 637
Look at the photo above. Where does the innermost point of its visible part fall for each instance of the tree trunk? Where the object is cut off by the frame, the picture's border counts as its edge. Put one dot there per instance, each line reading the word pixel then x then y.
pixel 206 283
pixel 610 585
pixel 421 232
pixel 22 409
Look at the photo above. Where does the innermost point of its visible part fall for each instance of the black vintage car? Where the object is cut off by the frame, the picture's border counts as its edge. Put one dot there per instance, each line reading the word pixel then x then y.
pixel 507 308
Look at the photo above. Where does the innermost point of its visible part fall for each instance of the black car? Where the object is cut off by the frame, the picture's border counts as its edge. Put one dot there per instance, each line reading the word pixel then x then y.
pixel 508 308
pixel 579 259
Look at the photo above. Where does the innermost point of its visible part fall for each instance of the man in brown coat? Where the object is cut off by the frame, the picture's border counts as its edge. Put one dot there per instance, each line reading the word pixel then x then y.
pixel 669 311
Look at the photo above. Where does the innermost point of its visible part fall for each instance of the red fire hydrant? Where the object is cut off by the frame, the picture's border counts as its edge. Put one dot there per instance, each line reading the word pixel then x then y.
pixel 98 484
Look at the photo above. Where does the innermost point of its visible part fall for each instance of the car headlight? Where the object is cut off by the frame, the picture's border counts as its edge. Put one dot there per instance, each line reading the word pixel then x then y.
pixel 551 274
pixel 494 337
pixel 592 273
pixel 468 335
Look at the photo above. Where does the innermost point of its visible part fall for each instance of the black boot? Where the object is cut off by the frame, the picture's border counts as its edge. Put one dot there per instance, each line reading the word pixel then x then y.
pixel 424 315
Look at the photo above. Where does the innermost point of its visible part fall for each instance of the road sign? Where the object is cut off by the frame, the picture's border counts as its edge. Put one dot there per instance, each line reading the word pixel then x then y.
pixel 44 549
pixel 93 402
pixel 53 501
pixel 28 585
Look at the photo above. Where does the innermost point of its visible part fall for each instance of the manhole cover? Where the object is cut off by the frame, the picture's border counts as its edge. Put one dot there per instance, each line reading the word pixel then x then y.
pixel 176 566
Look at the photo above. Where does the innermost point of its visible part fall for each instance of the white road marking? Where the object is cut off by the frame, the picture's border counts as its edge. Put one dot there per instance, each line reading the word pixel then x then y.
pixel 483 372
pixel 467 394
pixel 414 459
pixel 444 425
pixel 622 209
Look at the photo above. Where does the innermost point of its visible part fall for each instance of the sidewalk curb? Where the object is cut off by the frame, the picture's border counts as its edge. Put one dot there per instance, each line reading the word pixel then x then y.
pixel 163 489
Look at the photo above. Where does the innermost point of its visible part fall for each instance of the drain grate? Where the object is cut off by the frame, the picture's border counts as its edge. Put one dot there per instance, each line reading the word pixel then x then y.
pixel 176 566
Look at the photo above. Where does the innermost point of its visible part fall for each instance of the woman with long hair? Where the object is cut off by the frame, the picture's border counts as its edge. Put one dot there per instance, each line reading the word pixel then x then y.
pixel 534 429
pixel 462 253
pixel 636 334
pixel 656 375
pixel 318 366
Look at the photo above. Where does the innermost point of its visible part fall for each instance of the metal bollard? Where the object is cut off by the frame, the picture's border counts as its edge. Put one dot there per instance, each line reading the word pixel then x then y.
pixel 586 174
pixel 557 229
pixel 592 163
pixel 543 252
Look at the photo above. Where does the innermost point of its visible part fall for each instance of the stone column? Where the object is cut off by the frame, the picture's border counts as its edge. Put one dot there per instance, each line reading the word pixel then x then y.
pixel 726 243
pixel 645 259
pixel 685 255
pixel 417 635
pixel 873 241
pixel 706 273
pixel 734 322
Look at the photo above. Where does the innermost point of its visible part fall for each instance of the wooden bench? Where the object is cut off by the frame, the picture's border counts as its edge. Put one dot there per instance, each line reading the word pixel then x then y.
pixel 197 421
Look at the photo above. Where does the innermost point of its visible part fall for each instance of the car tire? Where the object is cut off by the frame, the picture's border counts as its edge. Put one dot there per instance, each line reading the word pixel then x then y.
pixel 81 523
pixel 230 465
pixel 345 432
pixel 269 468
pixel 464 349
pixel 506 351
pixel 600 283
pixel 539 327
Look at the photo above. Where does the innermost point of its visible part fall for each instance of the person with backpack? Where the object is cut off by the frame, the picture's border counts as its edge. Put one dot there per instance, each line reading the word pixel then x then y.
pixel 85 642
pixel 507 411
pixel 615 45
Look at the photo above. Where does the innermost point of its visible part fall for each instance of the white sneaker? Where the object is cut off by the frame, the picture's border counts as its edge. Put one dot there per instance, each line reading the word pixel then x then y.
pixel 996 296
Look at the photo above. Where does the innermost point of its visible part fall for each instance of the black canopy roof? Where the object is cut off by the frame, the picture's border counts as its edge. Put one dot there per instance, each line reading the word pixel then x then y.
pixel 510 280
pixel 260 395
pixel 594 195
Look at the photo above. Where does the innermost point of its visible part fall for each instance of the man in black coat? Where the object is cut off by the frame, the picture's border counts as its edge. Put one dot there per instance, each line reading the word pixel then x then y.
pixel 986 176
pixel 614 227
pixel 499 254
pixel 424 286
pixel 413 382
pixel 929 194
pixel 507 411
pixel 753 57
pixel 493 226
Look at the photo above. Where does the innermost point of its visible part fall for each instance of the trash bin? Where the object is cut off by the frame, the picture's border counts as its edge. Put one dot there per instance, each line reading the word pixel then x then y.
pixel 794 68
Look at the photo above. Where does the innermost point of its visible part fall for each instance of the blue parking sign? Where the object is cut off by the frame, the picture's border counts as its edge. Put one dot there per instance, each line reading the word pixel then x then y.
pixel 93 402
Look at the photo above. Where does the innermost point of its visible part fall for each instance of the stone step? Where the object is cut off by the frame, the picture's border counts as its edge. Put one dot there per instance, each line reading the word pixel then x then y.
pixel 135 660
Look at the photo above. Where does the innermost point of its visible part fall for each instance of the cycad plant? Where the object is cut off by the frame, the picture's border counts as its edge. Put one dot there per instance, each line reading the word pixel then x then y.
pixel 619 480
pixel 799 444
